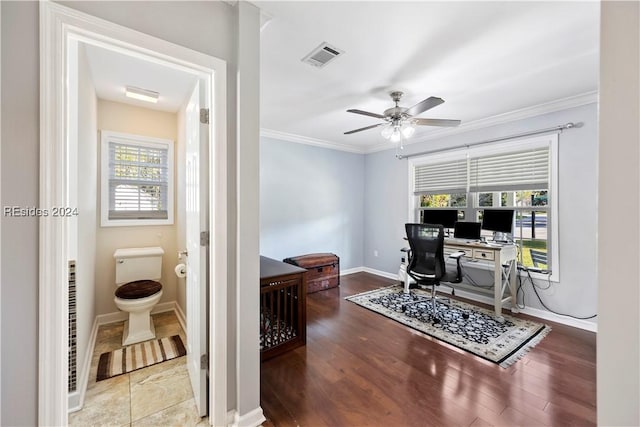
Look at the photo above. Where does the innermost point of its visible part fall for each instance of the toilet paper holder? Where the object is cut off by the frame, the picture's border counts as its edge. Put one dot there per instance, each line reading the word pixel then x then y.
pixel 181 270
pixel 182 253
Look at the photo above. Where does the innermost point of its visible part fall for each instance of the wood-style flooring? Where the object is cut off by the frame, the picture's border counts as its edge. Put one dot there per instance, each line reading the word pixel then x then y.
pixel 360 368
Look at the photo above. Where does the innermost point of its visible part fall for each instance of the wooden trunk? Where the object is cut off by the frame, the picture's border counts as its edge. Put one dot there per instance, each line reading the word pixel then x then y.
pixel 323 270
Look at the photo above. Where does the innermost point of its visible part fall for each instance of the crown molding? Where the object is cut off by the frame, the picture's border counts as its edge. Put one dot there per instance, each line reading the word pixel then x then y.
pixel 511 116
pixel 284 136
pixel 520 114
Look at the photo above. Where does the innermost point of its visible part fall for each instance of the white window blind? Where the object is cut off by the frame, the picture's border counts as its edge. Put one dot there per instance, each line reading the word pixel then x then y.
pixel 138 181
pixel 437 178
pixel 523 170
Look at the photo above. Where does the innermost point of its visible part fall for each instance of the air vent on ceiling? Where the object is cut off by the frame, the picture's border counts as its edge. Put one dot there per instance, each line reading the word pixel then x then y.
pixel 322 55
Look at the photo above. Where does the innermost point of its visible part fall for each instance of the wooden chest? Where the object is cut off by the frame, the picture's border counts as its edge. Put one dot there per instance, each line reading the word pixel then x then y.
pixel 323 270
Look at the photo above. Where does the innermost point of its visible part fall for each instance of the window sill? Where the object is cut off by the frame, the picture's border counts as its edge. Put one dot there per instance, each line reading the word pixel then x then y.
pixel 135 222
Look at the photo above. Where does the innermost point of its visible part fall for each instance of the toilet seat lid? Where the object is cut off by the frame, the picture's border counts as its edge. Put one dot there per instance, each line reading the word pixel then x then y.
pixel 138 289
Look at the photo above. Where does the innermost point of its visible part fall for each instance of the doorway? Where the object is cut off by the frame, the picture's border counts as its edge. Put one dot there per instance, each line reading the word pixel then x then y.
pixel 68 33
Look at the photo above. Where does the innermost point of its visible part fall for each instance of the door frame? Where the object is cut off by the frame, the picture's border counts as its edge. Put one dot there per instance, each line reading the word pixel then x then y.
pixel 58 25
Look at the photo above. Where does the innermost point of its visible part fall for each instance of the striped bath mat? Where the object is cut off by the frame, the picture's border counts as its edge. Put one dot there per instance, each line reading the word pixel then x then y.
pixel 139 356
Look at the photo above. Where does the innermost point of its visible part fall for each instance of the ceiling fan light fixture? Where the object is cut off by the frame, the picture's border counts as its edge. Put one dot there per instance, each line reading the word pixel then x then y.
pixel 396 135
pixel 408 129
pixel 387 131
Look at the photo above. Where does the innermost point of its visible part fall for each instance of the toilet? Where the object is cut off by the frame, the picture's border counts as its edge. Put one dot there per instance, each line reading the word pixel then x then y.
pixel 138 290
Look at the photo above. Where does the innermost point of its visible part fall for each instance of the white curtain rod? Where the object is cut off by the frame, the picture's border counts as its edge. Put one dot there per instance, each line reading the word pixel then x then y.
pixel 558 129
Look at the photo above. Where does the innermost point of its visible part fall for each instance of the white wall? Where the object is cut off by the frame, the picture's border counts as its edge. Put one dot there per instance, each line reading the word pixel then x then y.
pixel 181 218
pixel 248 206
pixel 311 200
pixel 117 117
pixel 87 165
pixel 618 342
pixel 19 181
pixel 386 206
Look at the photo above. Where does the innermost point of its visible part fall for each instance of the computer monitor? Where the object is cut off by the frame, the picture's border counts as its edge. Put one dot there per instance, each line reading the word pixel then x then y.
pixel 446 217
pixel 500 220
pixel 467 230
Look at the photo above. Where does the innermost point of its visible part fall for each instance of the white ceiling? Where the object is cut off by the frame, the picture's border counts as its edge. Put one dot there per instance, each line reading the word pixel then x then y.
pixel 485 59
pixel 112 71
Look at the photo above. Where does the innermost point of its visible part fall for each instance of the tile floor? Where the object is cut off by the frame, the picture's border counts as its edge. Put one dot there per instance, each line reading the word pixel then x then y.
pixel 159 395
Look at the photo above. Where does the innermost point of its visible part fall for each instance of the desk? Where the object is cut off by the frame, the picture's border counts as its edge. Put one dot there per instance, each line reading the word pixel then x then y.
pixel 499 255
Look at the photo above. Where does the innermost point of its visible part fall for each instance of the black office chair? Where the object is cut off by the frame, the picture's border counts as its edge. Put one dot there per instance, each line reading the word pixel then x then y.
pixel 426 261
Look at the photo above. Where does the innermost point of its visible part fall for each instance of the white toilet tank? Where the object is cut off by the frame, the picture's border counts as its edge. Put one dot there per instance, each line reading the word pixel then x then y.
pixel 138 264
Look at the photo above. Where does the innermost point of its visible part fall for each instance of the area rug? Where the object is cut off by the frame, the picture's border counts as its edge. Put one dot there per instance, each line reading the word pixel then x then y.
pixel 502 342
pixel 139 356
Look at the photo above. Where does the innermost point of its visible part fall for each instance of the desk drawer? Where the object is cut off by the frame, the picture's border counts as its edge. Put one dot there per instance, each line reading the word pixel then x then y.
pixel 449 249
pixel 483 254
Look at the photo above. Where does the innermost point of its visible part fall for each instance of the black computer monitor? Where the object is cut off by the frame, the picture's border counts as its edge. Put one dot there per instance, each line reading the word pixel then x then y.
pixel 500 220
pixel 446 217
pixel 467 230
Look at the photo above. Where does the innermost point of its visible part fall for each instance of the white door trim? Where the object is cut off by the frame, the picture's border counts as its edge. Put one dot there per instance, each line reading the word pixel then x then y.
pixel 58 25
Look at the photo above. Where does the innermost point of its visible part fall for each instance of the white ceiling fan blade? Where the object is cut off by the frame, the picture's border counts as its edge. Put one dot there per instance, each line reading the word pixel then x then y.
pixel 366 113
pixel 365 128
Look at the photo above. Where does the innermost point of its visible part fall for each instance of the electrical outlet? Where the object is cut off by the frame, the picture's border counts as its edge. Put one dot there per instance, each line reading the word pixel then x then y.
pixel 375 252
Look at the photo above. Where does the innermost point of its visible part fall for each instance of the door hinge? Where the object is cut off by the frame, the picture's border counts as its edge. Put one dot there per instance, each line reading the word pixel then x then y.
pixel 204 238
pixel 204 361
pixel 204 116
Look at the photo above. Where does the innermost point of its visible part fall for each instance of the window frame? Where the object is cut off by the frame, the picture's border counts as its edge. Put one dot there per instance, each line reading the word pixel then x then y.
pixel 550 140
pixel 141 141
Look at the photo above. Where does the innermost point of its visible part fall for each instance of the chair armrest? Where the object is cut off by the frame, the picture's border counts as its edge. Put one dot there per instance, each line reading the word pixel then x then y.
pixel 405 249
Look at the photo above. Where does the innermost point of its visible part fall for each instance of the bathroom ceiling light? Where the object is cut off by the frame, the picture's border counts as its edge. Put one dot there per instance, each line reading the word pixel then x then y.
pixel 142 94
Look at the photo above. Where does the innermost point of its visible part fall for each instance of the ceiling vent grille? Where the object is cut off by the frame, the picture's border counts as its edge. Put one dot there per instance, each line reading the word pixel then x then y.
pixel 322 55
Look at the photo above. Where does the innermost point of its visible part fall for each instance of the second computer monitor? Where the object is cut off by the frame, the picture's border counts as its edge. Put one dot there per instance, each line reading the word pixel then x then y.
pixel 446 217
pixel 467 230
pixel 500 220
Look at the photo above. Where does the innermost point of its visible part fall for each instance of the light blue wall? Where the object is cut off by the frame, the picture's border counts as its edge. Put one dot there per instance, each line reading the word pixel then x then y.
pixel 386 205
pixel 311 200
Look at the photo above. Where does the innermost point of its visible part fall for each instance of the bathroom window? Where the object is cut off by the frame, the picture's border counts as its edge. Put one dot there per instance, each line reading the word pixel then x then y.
pixel 137 180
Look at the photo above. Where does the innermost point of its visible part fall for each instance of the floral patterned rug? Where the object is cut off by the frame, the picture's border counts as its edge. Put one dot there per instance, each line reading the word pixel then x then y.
pixel 466 326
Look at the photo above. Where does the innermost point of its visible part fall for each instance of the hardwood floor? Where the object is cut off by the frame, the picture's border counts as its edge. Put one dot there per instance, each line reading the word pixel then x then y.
pixel 361 368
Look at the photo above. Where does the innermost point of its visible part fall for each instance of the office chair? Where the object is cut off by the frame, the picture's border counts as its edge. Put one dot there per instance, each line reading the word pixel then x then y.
pixel 426 261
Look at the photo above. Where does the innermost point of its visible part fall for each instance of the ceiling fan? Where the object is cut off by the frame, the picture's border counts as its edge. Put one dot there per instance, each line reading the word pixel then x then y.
pixel 400 122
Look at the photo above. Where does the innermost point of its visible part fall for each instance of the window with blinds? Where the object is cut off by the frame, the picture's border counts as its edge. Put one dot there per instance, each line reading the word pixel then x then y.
pixel 446 177
pixel 517 176
pixel 522 170
pixel 137 180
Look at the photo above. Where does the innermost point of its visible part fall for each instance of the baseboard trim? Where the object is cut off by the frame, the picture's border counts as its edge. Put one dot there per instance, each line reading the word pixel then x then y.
pixel 121 316
pixel 231 416
pixel 541 314
pixel 76 399
pixel 182 319
pixel 392 276
pixel 351 271
pixel 252 418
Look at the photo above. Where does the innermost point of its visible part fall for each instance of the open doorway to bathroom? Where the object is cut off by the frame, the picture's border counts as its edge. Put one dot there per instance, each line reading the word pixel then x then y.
pixel 134 174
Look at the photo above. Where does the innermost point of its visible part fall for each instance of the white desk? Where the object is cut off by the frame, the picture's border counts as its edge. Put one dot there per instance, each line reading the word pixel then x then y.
pixel 499 255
